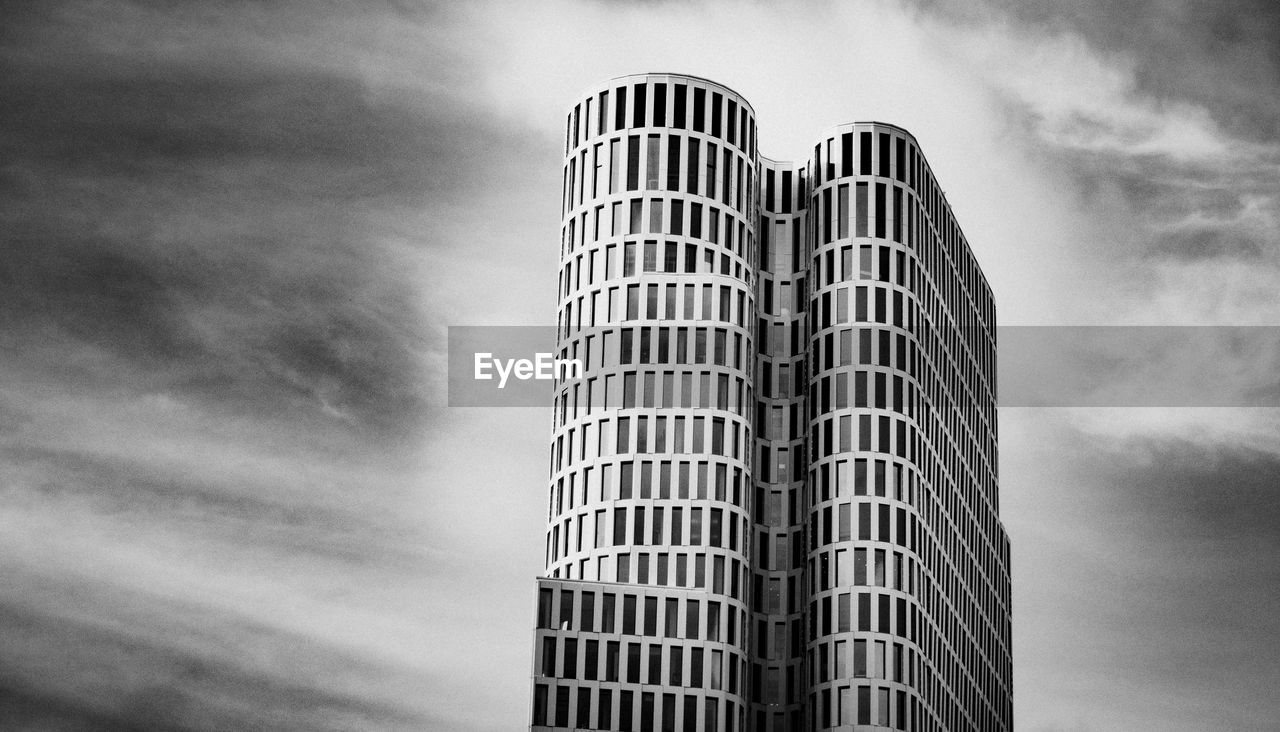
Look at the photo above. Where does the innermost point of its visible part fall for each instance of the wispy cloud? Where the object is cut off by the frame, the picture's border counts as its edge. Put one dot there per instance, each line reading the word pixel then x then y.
pixel 1167 135
pixel 213 385
pixel 1132 587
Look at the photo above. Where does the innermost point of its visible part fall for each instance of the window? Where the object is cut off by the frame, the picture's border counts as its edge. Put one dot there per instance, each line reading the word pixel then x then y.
pixel 728 170
pixel 566 609
pixel 633 162
pixel 625 711
pixel 588 611
pixel 615 171
pixel 619 529
pixel 860 210
pixel 880 210
pixel 693 167
pixel 607 613
pixel 634 226
pixel 591 663
pixel 710 189
pixel 731 123
pixel 540 704
pixel 673 162
pixel 549 656
pixel 570 659
pixel 544 607
pixel 637 107
pixel 651 165
pixel 843 212
pixel 629 615
pixel 633 663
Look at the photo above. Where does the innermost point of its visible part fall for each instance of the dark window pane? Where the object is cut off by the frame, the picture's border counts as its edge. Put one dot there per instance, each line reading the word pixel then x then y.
pixel 716 100
pixel 880 208
pixel 900 157
pixel 637 106
pixel 730 128
pixel 693 167
pixel 673 162
pixel 633 162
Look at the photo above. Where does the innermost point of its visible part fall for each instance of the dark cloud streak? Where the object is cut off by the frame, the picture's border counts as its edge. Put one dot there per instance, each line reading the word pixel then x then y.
pixel 261 515
pixel 178 684
pixel 1222 55
pixel 211 222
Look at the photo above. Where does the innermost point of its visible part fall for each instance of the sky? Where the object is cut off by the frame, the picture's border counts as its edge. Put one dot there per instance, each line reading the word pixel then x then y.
pixel 233 236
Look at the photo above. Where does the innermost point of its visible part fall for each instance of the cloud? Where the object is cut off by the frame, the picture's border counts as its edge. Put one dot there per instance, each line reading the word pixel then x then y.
pixel 164 669
pixel 1130 591
pixel 1157 142
pixel 1221 56
pixel 208 228
pixel 214 393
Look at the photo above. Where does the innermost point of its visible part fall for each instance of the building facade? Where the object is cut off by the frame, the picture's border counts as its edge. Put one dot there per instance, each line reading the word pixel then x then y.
pixel 773 501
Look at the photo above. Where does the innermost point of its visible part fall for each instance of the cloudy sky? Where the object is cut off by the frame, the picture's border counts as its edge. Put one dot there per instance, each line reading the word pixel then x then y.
pixel 232 237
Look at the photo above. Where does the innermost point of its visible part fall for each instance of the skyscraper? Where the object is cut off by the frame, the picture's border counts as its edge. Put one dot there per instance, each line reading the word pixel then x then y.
pixel 773 500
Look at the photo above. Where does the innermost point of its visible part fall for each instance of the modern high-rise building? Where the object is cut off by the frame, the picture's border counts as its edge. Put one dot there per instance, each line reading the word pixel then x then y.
pixel 773 500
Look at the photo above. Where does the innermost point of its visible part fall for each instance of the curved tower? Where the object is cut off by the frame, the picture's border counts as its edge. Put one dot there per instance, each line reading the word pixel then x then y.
pixel 773 500
pixel 908 617
pixel 643 612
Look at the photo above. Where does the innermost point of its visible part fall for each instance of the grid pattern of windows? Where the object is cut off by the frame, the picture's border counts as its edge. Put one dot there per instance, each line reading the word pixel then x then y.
pixel 778 681
pixel 650 502
pixel 908 603
pixel 773 500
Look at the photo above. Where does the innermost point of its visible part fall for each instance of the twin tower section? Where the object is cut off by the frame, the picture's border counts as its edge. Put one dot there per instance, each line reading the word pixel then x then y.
pixel 773 500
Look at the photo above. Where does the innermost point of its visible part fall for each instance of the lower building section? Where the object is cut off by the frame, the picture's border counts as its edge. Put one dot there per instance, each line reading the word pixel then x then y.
pixel 628 657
